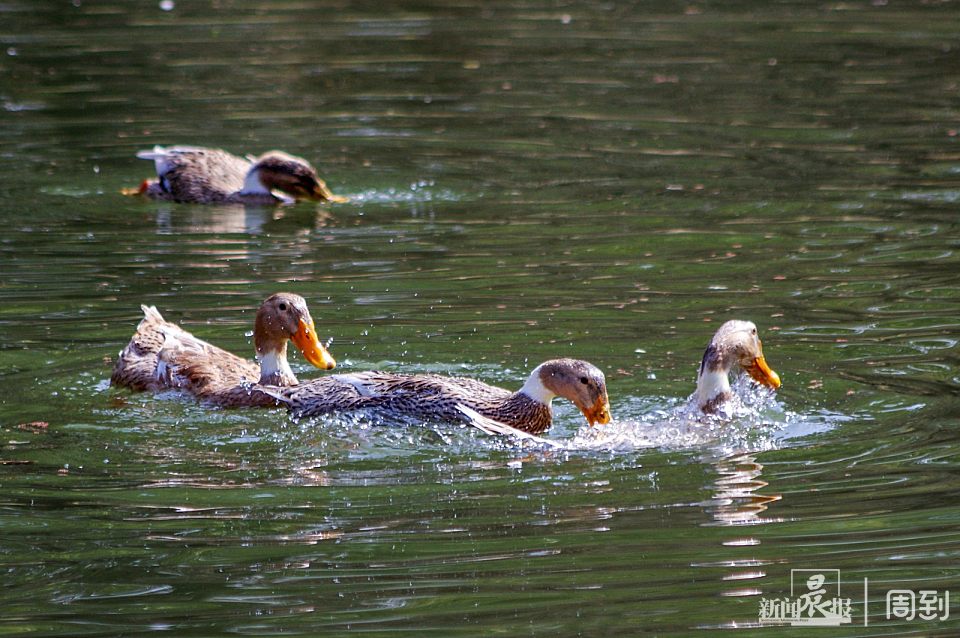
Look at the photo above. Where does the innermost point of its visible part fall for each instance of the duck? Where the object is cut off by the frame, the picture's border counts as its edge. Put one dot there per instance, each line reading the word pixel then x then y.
pixel 162 356
pixel 440 398
pixel 193 174
pixel 735 343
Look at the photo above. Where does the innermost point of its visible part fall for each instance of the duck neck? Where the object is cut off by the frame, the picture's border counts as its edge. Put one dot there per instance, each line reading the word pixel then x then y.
pixel 521 411
pixel 713 381
pixel 274 368
pixel 536 390
pixel 252 184
pixel 712 387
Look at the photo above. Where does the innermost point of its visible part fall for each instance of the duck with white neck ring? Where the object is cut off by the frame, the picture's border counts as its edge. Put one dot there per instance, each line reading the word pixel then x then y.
pixel 192 174
pixel 736 343
pixel 162 356
pixel 434 397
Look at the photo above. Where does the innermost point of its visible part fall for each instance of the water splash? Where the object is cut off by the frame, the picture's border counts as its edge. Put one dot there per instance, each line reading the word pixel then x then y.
pixel 421 191
pixel 754 420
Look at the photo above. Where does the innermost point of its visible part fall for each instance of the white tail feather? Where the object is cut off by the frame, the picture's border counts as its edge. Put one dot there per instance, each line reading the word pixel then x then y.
pixel 362 388
pixel 490 426
pixel 276 393
pixel 151 313
pixel 157 152
pixel 163 152
pixel 162 156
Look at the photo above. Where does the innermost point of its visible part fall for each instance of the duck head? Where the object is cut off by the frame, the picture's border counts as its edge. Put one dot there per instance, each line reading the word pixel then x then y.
pixel 276 170
pixel 580 382
pixel 284 317
pixel 736 343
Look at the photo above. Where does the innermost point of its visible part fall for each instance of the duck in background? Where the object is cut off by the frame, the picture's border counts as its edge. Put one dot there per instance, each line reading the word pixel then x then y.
pixel 434 397
pixel 162 356
pixel 191 174
pixel 736 343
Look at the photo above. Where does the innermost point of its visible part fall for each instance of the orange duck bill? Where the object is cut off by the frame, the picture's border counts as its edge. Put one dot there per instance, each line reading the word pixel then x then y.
pixel 322 193
pixel 599 412
pixel 306 340
pixel 762 373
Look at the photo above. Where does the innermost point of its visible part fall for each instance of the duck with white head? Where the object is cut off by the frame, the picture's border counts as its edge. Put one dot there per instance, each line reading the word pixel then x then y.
pixel 735 344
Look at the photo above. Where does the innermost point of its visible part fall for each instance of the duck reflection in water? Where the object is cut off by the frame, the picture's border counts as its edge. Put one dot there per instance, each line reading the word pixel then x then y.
pixel 736 502
pixel 238 219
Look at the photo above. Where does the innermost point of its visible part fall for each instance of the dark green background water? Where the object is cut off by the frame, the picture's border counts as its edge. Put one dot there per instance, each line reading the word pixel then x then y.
pixel 603 180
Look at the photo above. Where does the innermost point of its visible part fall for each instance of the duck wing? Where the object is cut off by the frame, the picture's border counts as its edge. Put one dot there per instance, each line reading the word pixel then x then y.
pixel 428 386
pixel 322 395
pixel 195 174
pixel 423 396
pixel 492 427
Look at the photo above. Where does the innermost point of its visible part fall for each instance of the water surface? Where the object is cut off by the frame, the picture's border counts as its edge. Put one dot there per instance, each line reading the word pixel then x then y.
pixel 527 180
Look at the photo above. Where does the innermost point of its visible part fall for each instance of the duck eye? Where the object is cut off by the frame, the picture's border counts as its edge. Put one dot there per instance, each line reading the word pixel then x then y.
pixel 282 306
pixel 583 380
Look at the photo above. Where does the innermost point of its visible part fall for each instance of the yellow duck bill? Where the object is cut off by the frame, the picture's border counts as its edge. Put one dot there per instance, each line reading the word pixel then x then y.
pixel 762 373
pixel 314 351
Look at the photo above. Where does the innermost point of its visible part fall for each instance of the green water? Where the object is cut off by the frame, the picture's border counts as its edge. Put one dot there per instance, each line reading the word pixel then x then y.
pixel 527 180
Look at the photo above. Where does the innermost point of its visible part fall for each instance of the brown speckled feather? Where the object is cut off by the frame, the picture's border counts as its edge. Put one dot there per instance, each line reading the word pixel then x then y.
pixel 424 396
pixel 199 175
pixel 162 356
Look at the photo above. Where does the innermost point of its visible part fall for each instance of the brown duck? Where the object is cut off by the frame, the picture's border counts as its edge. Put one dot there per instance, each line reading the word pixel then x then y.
pixel 162 356
pixel 736 343
pixel 435 397
pixel 212 176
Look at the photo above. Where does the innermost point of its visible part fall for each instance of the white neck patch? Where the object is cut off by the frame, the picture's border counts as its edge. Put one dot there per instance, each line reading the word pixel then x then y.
pixel 710 384
pixel 252 184
pixel 535 389
pixel 274 363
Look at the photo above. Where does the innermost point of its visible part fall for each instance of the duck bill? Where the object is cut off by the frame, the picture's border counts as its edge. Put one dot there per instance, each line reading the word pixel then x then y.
pixel 599 412
pixel 762 373
pixel 314 352
pixel 322 193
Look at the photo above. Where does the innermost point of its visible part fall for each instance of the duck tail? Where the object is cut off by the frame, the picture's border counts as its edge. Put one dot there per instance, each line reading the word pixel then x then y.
pixel 150 313
pixel 157 152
